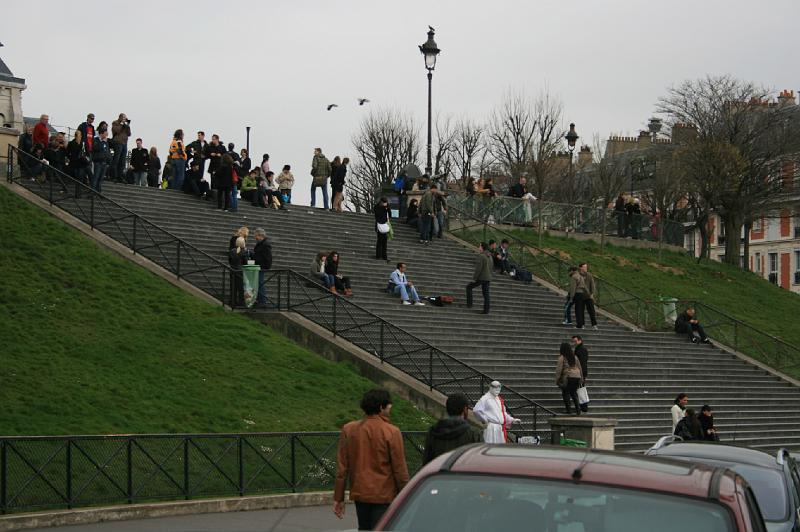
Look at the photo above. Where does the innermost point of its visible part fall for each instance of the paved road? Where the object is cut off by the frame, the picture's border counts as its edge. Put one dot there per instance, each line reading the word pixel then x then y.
pixel 309 519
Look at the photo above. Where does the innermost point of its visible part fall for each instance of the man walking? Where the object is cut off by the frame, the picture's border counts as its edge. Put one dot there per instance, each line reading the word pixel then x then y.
pixel 426 211
pixel 263 256
pixel 371 457
pixel 451 432
pixel 320 172
pixel 584 299
pixel 120 133
pixel 481 277
pixel 491 409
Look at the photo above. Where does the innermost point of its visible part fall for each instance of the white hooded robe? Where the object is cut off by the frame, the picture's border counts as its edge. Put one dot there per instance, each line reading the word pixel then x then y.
pixel 492 411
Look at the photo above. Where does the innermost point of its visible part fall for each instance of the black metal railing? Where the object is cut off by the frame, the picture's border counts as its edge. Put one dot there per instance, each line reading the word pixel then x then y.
pixel 286 290
pixel 291 291
pixel 45 472
pixel 136 232
pixel 647 314
pixel 568 217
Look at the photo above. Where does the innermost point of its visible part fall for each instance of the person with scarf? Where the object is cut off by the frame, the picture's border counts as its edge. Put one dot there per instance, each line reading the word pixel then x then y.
pixel 491 409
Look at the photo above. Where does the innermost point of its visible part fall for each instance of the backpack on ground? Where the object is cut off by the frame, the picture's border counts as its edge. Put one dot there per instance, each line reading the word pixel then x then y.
pixel 440 301
pixel 521 275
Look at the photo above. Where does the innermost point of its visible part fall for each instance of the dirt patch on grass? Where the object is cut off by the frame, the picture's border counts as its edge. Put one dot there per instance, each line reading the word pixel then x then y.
pixel 563 255
pixel 667 269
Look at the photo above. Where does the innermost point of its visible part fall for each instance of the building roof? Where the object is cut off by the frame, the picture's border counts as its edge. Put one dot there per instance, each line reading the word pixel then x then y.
pixel 6 75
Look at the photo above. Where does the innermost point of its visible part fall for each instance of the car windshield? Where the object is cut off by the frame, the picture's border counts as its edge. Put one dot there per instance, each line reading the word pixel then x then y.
pixel 472 503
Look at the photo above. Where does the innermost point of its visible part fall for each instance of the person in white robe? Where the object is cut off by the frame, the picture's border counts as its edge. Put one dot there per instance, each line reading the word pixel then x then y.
pixel 491 409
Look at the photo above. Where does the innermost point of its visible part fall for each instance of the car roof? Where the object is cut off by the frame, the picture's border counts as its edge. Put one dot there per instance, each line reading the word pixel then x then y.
pixel 594 466
pixel 719 452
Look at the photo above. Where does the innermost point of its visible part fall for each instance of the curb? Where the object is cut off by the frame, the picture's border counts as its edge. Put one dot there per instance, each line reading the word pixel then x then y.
pixel 167 509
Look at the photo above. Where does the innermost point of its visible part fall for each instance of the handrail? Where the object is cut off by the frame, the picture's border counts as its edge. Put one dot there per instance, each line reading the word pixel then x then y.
pixel 407 361
pixel 566 216
pixel 374 342
pixel 648 314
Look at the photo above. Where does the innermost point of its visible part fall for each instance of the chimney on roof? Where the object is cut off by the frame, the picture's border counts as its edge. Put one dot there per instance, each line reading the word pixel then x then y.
pixel 786 97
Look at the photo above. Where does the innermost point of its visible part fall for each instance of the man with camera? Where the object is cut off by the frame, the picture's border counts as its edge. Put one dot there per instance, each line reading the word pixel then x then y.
pixel 120 131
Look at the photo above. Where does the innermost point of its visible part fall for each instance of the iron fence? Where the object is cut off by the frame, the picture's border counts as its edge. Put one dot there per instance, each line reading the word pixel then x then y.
pixel 568 217
pixel 291 291
pixel 136 232
pixel 47 472
pixel 647 314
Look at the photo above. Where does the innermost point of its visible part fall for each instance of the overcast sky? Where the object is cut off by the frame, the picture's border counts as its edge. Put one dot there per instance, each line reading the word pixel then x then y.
pixel 275 65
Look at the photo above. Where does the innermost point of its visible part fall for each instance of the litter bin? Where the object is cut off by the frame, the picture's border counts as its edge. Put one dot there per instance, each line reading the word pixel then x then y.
pixel 250 277
pixel 570 442
pixel 668 304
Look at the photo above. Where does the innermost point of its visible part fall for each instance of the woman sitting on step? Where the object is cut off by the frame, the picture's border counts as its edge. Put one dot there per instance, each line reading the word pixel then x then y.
pixel 317 272
pixel 341 284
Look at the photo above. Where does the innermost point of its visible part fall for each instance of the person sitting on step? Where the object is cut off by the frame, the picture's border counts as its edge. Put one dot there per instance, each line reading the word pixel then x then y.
pixel 687 323
pixel 317 272
pixel 399 284
pixel 341 284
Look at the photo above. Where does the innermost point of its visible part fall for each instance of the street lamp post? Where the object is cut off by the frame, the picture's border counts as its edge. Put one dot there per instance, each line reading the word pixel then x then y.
pixel 572 139
pixel 429 51
pixel 248 141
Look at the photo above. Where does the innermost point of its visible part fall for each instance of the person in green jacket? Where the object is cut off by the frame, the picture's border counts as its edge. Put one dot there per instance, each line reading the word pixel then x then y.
pixel 320 172
pixel 482 277
pixel 451 432
pixel 249 185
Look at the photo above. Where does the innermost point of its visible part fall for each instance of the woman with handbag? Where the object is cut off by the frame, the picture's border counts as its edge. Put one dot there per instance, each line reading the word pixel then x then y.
pixel 382 228
pixel 568 377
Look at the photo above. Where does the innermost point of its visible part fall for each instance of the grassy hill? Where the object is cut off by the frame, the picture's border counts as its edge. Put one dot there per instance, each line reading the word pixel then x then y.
pixel 738 293
pixel 94 344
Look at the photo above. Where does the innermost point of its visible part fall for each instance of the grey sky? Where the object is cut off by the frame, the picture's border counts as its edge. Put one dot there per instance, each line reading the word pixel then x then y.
pixel 275 65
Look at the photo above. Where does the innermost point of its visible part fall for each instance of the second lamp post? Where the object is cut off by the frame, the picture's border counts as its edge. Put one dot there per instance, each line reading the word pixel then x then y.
pixel 429 51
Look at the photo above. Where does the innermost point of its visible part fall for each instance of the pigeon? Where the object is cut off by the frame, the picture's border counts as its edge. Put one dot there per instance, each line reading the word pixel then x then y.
pixel 331 106
pixel 362 101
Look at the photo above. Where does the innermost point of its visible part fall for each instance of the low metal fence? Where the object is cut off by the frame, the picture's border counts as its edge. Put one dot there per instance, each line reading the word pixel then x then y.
pixel 647 314
pixel 50 472
pixel 568 218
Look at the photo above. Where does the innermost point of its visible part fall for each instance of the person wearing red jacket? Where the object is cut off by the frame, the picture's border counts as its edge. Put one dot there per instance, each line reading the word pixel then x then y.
pixel 41 132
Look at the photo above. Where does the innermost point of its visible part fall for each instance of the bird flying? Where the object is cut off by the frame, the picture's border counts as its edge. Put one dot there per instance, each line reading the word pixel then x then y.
pixel 331 106
pixel 362 101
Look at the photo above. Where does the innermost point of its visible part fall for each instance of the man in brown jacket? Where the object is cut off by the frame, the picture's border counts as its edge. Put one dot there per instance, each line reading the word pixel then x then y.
pixel 371 456
pixel 482 277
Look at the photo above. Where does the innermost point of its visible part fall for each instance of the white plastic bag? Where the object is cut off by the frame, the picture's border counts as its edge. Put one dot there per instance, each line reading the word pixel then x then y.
pixel 583 396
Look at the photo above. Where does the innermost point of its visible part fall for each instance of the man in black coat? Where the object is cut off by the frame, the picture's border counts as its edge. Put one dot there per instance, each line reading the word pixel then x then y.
pixel 263 256
pixel 688 324
pixel 197 151
pixel 451 432
pixel 582 353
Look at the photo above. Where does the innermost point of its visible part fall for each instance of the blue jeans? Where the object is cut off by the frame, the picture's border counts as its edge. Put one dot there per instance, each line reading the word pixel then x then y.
pixel 425 227
pixel 261 299
pixel 234 198
pixel 288 193
pixel 140 179
pixel 440 222
pixel 568 310
pixel 98 175
pixel 118 162
pixel 324 188
pixel 178 173
pixel 404 292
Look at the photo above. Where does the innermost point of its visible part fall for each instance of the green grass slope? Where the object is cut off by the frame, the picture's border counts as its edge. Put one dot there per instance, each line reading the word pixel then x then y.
pixel 738 293
pixel 92 344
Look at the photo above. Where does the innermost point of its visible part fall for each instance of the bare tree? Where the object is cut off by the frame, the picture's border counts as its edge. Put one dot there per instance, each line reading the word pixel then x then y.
pixel 666 187
pixel 512 126
pixel 543 162
pixel 443 149
pixel 735 120
pixel 386 142
pixel 469 146
pixel 607 179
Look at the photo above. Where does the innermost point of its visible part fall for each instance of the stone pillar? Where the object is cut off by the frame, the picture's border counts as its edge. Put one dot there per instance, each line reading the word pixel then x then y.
pixel 598 432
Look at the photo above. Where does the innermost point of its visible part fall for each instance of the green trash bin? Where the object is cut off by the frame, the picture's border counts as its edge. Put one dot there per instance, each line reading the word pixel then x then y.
pixel 250 277
pixel 668 304
pixel 569 442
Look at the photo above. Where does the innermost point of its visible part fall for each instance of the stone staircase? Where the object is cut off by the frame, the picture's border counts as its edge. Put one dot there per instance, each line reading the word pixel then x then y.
pixel 633 376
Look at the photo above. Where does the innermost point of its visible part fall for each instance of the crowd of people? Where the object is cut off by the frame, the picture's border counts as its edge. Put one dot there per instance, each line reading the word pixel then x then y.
pixel 206 169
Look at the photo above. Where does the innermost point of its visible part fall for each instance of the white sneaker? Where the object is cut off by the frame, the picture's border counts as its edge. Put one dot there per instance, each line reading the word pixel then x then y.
pixel 419 304
pixel 406 302
pixel 595 328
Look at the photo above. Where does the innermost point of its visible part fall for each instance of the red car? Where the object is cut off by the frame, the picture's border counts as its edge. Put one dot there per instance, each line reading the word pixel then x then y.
pixel 505 488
